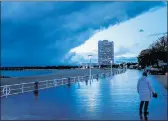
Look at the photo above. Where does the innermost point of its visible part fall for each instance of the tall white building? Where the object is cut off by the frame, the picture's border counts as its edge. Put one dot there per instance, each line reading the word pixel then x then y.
pixel 105 52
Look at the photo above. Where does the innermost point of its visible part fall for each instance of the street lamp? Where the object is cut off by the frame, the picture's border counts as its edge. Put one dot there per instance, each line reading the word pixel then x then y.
pixel 111 66
pixel 90 73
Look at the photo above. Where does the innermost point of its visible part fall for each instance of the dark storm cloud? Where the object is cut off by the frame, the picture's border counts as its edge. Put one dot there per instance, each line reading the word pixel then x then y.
pixel 42 33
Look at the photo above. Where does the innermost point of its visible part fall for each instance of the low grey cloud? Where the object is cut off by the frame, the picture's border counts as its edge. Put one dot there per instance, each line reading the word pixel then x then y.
pixel 122 51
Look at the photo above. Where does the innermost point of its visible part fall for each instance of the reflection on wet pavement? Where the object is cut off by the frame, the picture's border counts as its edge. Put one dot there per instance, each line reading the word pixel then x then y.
pixel 112 98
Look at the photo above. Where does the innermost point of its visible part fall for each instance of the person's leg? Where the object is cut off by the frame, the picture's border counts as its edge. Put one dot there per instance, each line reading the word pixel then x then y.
pixel 140 107
pixel 146 107
pixel 145 117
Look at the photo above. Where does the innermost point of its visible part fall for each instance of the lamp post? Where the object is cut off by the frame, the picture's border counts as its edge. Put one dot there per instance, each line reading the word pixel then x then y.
pixel 90 73
pixel 111 66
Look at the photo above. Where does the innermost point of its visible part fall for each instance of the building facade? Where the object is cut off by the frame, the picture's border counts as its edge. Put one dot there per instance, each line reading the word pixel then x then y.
pixel 105 52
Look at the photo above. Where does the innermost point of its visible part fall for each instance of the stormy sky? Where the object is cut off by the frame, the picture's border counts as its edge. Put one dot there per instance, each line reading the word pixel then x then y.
pixel 57 33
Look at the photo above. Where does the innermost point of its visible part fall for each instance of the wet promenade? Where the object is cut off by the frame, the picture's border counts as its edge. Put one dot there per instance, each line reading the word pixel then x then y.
pixel 112 98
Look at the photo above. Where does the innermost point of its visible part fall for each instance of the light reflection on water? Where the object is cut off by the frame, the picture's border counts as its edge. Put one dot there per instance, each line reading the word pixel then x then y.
pixel 110 98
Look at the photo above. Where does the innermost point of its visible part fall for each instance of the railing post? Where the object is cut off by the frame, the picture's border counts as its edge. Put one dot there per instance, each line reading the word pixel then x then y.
pixel 78 79
pixel 62 81
pixel 6 90
pixel 22 88
pixel 91 78
pixel 46 83
pixel 54 82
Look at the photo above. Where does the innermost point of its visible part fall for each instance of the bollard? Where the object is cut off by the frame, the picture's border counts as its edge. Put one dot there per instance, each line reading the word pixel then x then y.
pixel 86 80
pixel 97 77
pixel 69 84
pixel 104 75
pixel 36 88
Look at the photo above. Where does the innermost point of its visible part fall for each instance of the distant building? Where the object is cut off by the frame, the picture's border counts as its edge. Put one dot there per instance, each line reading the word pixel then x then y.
pixel 105 52
pixel 87 65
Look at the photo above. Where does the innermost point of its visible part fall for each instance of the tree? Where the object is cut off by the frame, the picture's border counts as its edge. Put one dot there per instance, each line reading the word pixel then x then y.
pixel 156 51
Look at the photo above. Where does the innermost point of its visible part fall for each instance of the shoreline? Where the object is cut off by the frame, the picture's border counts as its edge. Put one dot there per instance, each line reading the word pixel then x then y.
pixel 52 71
pixel 56 75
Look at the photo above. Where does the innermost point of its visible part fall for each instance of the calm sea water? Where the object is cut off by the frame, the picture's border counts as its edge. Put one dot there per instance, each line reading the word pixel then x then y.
pixel 26 73
pixel 114 98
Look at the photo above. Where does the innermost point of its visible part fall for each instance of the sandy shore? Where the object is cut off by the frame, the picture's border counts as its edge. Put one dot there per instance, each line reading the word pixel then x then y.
pixel 57 75
pixel 163 79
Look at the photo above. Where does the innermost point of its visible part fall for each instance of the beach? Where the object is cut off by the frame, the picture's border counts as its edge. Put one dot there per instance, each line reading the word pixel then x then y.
pixel 62 73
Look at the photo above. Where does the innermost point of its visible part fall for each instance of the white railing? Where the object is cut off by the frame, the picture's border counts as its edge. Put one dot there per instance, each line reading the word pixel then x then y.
pixel 7 90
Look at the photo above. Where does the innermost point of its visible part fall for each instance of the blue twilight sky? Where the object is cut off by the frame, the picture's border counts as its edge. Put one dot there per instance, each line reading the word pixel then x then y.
pixel 54 33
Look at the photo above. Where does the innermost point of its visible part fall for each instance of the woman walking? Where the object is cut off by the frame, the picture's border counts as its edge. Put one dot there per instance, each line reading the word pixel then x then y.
pixel 145 91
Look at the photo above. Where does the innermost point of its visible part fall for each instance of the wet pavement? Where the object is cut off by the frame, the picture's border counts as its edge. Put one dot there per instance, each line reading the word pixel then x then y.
pixel 112 98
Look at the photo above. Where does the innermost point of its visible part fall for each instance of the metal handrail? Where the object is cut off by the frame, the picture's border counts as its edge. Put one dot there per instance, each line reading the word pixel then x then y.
pixel 7 90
